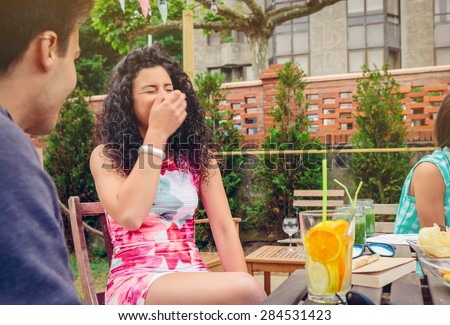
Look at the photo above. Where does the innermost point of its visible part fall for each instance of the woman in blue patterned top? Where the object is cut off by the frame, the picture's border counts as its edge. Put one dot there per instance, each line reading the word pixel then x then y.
pixel 425 198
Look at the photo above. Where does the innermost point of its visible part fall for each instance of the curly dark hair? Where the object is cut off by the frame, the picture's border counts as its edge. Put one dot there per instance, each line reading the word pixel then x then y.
pixel 117 126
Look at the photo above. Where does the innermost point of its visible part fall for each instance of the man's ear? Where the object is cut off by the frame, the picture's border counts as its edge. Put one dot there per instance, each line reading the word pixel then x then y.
pixel 47 49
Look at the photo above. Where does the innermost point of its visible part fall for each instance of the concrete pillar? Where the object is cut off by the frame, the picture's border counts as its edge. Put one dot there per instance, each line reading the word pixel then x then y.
pixel 328 40
pixel 417 33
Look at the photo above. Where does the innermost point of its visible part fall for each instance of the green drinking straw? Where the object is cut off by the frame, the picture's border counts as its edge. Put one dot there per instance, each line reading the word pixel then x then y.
pixel 352 202
pixel 346 191
pixel 356 195
pixel 324 190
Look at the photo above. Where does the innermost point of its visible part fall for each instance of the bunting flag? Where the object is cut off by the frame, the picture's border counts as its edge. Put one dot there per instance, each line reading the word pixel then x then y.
pixel 162 6
pixel 144 7
pixel 122 5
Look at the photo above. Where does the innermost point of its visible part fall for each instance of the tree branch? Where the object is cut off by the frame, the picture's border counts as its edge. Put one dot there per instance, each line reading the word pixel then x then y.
pixel 278 16
pixel 178 24
pixel 223 10
pixel 151 29
pixel 254 8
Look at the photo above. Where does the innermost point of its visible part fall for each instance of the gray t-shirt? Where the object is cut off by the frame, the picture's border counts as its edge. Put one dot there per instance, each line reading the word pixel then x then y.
pixel 34 263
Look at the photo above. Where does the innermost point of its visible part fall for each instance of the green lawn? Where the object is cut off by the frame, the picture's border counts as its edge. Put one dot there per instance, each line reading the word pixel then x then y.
pixel 100 269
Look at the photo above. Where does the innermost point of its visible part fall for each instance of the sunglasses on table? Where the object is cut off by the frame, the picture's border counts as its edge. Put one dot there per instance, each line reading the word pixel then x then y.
pixel 375 248
pixel 356 298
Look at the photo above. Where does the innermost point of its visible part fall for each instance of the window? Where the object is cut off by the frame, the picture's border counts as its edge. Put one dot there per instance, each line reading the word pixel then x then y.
pixel 373 33
pixel 290 41
pixel 441 31
pixel 252 131
pixel 313 117
pixel 312 96
pixel 251 120
pixel 230 73
pixel 346 126
pixel 345 105
pixel 345 95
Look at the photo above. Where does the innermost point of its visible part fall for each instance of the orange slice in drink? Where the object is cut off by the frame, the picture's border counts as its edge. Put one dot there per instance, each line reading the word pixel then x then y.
pixel 323 244
pixel 340 226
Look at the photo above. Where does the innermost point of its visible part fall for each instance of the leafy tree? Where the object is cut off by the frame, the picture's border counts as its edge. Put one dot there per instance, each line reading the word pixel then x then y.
pixel 67 151
pixel 115 26
pixel 225 138
pixel 96 62
pixel 256 23
pixel 380 124
pixel 279 174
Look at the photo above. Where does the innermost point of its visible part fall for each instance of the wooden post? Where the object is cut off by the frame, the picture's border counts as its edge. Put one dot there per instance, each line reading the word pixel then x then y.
pixel 188 43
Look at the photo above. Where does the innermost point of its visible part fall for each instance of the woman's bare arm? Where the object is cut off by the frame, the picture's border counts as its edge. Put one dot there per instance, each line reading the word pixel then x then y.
pixel 428 187
pixel 226 237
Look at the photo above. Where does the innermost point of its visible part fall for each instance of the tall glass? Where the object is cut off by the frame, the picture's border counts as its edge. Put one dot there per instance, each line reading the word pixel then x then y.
pixel 328 247
pixel 369 211
pixel 360 220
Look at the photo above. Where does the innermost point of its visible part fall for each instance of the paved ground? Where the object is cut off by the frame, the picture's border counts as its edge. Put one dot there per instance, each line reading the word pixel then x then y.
pixel 275 279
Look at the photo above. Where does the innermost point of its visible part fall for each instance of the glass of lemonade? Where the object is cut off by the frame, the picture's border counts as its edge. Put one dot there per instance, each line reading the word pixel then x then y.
pixel 328 247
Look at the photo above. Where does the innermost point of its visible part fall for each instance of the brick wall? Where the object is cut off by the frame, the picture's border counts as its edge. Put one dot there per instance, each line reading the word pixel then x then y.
pixel 332 106
pixel 331 103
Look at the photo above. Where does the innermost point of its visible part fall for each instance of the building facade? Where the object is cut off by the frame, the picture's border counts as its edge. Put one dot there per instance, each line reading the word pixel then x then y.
pixel 339 39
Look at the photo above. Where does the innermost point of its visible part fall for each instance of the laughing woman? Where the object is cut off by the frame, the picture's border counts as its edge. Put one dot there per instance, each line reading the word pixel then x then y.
pixel 149 168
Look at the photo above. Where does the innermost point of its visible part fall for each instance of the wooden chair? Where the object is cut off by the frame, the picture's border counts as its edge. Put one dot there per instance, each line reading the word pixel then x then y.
pixel 77 211
pixel 385 227
pixel 314 199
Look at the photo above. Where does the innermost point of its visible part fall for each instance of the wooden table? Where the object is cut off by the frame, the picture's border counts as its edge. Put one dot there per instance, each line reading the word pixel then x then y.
pixel 274 259
pixel 408 290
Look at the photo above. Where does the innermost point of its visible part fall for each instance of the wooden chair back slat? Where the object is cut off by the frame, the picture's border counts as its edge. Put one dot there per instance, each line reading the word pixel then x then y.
pixel 385 209
pixel 317 203
pixel 319 193
pixel 314 198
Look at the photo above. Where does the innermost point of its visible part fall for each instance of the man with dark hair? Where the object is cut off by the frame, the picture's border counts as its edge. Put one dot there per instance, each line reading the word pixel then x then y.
pixel 39 46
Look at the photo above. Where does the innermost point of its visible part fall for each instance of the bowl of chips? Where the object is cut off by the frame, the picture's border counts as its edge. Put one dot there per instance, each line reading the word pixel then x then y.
pixel 433 250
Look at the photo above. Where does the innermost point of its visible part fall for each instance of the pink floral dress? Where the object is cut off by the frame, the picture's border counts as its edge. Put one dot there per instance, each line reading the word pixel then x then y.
pixel 164 243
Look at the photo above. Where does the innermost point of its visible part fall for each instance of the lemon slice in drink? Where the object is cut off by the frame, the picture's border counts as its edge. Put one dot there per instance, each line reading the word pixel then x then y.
pixel 333 277
pixel 317 277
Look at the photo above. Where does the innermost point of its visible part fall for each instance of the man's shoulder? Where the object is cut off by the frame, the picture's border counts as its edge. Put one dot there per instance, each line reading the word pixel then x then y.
pixel 13 140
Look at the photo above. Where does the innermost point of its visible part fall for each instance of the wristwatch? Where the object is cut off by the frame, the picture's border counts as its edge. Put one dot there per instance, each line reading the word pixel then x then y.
pixel 149 149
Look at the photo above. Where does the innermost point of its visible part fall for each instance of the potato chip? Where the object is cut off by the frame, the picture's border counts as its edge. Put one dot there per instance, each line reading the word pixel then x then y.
pixel 438 241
